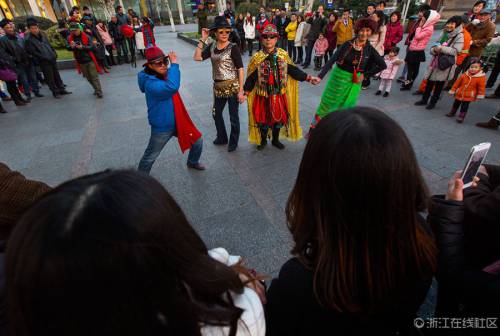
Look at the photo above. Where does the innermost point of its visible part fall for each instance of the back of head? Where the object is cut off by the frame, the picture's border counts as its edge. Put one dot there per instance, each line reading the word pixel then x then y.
pixel 353 212
pixel 112 254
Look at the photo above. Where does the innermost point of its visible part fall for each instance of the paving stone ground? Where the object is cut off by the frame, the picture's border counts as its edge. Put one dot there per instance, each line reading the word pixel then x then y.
pixel 239 201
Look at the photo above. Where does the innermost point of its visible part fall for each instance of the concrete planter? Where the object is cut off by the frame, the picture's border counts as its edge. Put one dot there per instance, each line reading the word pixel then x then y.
pixel 187 39
pixel 66 64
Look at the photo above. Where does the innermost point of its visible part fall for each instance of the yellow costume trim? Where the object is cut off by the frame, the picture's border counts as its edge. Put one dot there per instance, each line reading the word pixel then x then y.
pixel 293 132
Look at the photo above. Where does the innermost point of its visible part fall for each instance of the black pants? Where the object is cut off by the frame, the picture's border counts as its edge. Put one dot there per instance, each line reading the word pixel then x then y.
pixel 110 59
pixel 366 82
pixel 437 86
pixel 219 104
pixel 309 50
pixel 300 54
pixel 494 72
pixel 283 43
pixel 464 106
pixel 122 51
pixel 13 91
pixel 318 60
pixel 291 50
pixel 250 46
pixel 413 69
pixel 52 77
pixel 328 55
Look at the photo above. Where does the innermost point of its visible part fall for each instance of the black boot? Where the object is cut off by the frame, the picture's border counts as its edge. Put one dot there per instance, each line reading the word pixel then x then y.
pixel 432 103
pixel 263 139
pixel 490 124
pixel 2 110
pixel 276 139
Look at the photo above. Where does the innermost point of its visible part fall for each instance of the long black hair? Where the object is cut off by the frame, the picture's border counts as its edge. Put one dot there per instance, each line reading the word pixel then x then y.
pixel 113 254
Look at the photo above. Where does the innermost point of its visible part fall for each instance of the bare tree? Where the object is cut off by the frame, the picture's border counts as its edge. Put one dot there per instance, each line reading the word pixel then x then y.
pixel 309 6
pixel 181 11
pixel 108 7
pixel 170 16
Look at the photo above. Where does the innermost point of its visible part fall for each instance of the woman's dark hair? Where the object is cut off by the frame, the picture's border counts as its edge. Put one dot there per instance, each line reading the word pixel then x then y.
pixel 113 254
pixel 381 18
pixel 300 18
pixel 426 9
pixel 353 212
pixel 457 19
pixel 395 50
pixel 397 13
pixel 335 15
pixel 480 2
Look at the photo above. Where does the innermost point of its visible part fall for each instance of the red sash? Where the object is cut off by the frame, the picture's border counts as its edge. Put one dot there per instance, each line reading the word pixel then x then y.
pixel 85 41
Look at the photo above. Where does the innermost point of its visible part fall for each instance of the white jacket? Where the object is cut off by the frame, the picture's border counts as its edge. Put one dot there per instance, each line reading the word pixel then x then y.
pixel 252 321
pixel 249 29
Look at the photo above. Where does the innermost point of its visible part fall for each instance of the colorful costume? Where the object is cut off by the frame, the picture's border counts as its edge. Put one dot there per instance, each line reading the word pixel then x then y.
pixel 273 100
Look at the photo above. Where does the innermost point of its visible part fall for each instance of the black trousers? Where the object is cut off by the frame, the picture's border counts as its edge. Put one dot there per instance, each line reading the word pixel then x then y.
pixel 283 43
pixel 250 46
pixel 437 86
pixel 291 50
pixel 494 72
pixel 413 69
pixel 464 106
pixel 309 50
pixel 13 91
pixel 328 55
pixel 52 77
pixel 300 54
pixel 122 51
pixel 234 118
pixel 110 59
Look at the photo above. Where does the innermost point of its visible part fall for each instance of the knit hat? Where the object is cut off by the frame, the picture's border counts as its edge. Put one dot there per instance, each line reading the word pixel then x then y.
pixel 365 23
pixel 153 54
pixel 270 30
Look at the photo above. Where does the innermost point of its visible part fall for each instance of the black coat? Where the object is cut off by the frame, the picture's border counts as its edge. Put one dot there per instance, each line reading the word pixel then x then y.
pixel 115 31
pixel 17 57
pixel 100 48
pixel 39 48
pixel 82 56
pixel 280 27
pixel 292 310
pixel 463 290
pixel 317 26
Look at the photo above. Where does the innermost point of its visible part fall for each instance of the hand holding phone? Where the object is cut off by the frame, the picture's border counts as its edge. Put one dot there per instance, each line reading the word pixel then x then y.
pixel 476 159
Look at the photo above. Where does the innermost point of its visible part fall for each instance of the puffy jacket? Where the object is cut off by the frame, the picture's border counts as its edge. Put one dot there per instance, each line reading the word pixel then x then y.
pixel 344 32
pixel 291 30
pixel 14 48
pixel 482 33
pixel 115 31
pixel 454 44
pixel 159 97
pixel 462 55
pixel 423 34
pixel 39 48
pixel 320 46
pixel 393 35
pixel 106 38
pixel 317 26
pixel 392 67
pixel 469 88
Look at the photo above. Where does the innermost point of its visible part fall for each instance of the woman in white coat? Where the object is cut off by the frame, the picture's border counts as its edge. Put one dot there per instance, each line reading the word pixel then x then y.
pixel 139 37
pixel 299 38
pixel 249 29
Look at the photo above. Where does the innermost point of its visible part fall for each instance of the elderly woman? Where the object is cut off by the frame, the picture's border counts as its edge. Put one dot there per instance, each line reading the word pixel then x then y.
pixel 354 60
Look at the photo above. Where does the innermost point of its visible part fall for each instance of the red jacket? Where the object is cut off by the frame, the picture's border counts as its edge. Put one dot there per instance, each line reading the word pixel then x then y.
pixel 393 35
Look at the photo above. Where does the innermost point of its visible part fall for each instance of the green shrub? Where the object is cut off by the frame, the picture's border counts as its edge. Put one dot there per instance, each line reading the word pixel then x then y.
pixel 43 23
pixel 55 39
pixel 244 7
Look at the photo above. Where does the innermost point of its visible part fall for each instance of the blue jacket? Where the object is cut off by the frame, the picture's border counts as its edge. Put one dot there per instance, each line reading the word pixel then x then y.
pixel 159 98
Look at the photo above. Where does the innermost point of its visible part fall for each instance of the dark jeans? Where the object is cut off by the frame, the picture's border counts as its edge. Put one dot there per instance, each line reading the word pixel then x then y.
pixel 219 104
pixel 464 106
pixel 121 49
pixel 413 69
pixel 309 50
pixel 437 86
pixel 157 141
pixel 13 91
pixel 291 50
pixel 494 72
pixel 250 46
pixel 300 54
pixel 52 77
pixel 22 79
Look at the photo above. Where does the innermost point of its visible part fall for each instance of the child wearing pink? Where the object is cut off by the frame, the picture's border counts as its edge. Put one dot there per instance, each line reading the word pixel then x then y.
pixel 320 47
pixel 387 76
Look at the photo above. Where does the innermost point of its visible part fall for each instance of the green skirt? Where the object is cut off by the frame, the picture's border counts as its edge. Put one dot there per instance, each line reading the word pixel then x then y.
pixel 340 92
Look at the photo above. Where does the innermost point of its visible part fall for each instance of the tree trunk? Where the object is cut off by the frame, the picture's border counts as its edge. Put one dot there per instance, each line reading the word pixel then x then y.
pixel 170 16
pixel 181 11
pixel 108 7
pixel 221 6
pixel 309 6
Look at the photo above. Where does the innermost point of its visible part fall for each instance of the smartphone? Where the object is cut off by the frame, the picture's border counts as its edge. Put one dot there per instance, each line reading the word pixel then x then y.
pixel 476 159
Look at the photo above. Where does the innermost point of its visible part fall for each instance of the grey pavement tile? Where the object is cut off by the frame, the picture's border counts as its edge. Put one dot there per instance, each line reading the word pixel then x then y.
pixel 268 261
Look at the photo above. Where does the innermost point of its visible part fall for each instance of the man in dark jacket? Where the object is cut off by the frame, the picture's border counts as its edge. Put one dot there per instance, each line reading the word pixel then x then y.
pixel 123 19
pixel 39 48
pixel 318 23
pixel 83 49
pixel 18 59
pixel 281 21
pixel 87 12
pixel 120 43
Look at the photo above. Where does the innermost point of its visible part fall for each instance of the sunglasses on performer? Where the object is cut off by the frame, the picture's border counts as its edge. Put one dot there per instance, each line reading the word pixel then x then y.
pixel 268 37
pixel 161 62
pixel 224 32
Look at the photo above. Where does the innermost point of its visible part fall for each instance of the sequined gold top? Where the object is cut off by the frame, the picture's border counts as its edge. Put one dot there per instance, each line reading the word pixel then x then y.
pixel 223 67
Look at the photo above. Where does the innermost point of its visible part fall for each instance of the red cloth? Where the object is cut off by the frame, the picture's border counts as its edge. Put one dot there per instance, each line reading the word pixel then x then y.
pixel 393 35
pixel 270 111
pixel 187 133
pixel 261 25
pixel 85 41
pixel 146 29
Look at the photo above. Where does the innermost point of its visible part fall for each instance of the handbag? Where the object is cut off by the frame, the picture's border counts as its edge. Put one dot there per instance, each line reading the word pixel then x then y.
pixel 446 61
pixel 7 75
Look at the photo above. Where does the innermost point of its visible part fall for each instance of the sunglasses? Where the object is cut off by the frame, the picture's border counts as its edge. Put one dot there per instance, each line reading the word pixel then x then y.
pixel 224 32
pixel 160 63
pixel 268 37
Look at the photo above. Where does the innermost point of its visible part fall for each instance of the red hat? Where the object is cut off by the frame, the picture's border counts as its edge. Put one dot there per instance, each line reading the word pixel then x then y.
pixel 154 54
pixel 270 30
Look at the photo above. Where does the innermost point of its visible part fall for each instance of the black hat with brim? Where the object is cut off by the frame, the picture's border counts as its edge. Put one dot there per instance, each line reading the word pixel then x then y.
pixel 220 22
